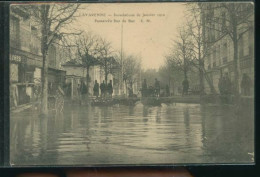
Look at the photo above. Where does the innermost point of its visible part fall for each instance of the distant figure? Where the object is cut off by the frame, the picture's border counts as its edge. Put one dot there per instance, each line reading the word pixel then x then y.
pixel 150 91
pixel 227 85
pixel 130 92
pixel 68 89
pixel 157 87
pixel 167 90
pixel 185 86
pixel 102 88
pixel 79 90
pixel 144 88
pixel 110 89
pixel 246 85
pixel 96 89
pixel 83 91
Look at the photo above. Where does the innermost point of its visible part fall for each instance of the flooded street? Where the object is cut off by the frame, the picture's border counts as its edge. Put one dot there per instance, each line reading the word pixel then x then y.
pixel 167 134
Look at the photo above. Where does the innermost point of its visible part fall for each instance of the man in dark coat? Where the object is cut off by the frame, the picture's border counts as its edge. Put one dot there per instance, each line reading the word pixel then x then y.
pixel 96 89
pixel 144 88
pixel 110 88
pixel 83 92
pixel 185 85
pixel 167 90
pixel 157 87
pixel 227 85
pixel 246 85
pixel 102 89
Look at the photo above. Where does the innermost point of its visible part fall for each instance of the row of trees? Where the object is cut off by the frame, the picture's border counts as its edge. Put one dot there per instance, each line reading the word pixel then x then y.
pixel 94 50
pixel 194 43
pixel 54 21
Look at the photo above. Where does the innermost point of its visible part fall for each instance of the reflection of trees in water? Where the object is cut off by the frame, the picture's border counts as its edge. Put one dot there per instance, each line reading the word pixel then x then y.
pixel 145 113
pixel 186 115
pixel 158 114
pixel 131 110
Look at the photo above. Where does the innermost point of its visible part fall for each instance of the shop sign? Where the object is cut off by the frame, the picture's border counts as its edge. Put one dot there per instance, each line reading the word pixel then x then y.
pixel 16 58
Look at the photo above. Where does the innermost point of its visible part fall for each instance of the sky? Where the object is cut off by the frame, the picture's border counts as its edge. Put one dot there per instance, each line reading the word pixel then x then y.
pixel 150 40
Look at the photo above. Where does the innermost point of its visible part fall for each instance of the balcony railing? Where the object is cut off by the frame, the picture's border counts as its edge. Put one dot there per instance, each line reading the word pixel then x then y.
pixel 246 63
pixel 35 45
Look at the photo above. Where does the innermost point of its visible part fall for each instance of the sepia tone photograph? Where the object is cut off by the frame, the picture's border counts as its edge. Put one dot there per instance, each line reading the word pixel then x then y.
pixel 131 83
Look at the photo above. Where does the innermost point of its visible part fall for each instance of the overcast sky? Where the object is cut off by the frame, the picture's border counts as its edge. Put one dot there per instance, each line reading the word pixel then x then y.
pixel 149 40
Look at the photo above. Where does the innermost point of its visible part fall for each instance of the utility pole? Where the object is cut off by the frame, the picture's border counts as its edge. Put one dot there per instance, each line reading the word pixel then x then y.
pixel 121 78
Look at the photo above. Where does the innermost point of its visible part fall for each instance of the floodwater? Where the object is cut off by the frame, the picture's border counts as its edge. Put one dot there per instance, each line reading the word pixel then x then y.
pixel 167 134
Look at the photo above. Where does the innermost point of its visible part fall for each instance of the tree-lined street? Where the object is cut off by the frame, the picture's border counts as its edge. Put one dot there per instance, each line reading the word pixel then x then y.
pixel 182 95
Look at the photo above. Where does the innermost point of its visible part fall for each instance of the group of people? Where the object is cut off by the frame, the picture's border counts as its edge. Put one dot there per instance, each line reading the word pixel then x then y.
pixel 185 87
pixel 151 91
pixel 82 89
pixel 104 89
pixel 226 87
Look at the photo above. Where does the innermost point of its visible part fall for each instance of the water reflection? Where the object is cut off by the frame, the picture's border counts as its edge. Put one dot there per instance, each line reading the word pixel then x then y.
pixel 174 133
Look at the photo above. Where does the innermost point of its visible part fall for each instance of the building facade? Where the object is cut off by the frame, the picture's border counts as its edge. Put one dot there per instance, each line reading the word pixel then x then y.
pixel 76 73
pixel 26 60
pixel 220 58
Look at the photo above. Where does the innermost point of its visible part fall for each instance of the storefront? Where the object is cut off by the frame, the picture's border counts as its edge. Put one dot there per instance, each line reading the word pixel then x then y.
pixel 18 94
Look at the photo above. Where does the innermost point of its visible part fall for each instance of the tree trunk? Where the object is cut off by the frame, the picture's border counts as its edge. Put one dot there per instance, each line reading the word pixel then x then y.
pixel 44 99
pixel 201 73
pixel 185 72
pixel 88 80
pixel 236 69
pixel 201 76
pixel 236 73
pixel 44 50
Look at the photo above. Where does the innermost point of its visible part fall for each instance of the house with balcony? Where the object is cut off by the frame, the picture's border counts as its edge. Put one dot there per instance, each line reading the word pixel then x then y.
pixel 220 58
pixel 26 59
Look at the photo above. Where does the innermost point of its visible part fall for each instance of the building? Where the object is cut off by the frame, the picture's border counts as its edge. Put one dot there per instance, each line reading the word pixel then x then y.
pixel 26 59
pixel 76 72
pixel 220 58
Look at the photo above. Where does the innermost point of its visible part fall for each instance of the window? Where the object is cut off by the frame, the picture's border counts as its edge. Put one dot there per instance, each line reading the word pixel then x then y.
pixel 250 42
pixel 209 61
pixel 223 23
pixel 34 31
pixel 14 32
pixel 217 28
pixel 35 41
pixel 218 55
pixel 52 56
pixel 224 49
pixel 214 58
pixel 245 47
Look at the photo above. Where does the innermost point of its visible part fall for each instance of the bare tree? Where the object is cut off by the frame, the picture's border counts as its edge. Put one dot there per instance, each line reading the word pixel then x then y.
pixel 199 44
pixel 86 46
pixel 132 67
pixel 104 53
pixel 181 53
pixel 52 19
pixel 235 20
